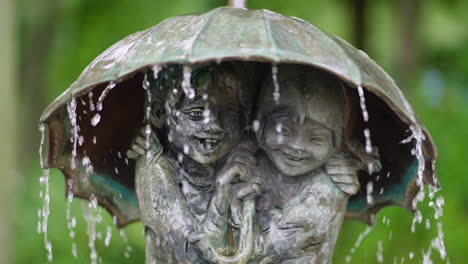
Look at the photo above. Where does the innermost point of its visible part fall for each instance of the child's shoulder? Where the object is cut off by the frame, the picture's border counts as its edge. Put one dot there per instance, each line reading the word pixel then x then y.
pixel 321 183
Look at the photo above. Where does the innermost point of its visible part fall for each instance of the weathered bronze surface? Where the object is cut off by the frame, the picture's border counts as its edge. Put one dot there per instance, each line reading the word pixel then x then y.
pixel 241 133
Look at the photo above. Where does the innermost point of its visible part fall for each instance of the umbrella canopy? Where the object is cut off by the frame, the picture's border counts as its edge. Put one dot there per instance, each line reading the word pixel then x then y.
pixel 88 142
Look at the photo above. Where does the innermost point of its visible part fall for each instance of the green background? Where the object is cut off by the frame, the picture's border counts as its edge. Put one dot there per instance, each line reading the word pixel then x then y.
pixel 422 44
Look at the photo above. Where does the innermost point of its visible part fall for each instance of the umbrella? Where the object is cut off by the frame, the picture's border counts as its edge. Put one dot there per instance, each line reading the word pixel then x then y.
pixel 88 142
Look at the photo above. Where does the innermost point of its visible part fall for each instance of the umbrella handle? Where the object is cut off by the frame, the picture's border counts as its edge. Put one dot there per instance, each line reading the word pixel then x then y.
pixel 238 3
pixel 246 239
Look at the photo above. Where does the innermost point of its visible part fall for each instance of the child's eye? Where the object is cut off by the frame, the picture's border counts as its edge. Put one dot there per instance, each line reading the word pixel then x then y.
pixel 195 114
pixel 316 139
pixel 283 131
pixel 232 115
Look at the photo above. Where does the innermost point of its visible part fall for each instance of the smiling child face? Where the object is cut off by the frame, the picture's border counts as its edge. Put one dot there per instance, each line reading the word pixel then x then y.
pixel 292 139
pixel 208 125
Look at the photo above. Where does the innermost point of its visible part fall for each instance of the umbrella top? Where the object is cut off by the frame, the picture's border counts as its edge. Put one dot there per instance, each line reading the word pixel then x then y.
pixel 253 35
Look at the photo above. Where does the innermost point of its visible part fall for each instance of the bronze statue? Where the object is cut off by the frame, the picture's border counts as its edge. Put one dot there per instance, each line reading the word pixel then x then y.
pixel 185 193
pixel 247 136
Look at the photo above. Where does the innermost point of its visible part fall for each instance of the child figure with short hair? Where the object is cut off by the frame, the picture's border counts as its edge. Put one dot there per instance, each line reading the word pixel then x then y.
pixel 306 174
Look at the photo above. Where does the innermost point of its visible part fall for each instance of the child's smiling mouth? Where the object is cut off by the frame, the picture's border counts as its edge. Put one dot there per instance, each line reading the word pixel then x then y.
pixel 208 144
pixel 294 158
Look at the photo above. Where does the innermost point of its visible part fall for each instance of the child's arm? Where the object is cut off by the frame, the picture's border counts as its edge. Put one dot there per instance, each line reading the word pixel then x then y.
pixel 305 230
pixel 211 236
pixel 343 171
pixel 343 167
pixel 163 209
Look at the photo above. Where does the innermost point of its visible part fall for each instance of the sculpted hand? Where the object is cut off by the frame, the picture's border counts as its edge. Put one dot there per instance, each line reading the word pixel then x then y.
pixel 239 164
pixel 244 191
pixel 366 161
pixel 343 170
pixel 238 167
pixel 140 145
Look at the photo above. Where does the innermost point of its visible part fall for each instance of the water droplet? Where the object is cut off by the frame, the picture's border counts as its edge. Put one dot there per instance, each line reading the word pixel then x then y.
pixel 256 125
pixel 103 95
pixel 206 115
pixel 89 210
pixel 71 109
pixel 362 101
pixel 276 92
pixel 379 252
pixel 156 69
pixel 108 236
pixel 92 108
pixel 358 242
pixel 95 120
pixel 186 83
pixel 369 189
pixel 45 211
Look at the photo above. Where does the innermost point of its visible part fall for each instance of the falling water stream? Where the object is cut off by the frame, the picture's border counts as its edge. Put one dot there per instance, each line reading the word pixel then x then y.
pixel 93 216
pixel 418 136
pixel 71 220
pixel 90 215
pixel 276 92
pixel 44 213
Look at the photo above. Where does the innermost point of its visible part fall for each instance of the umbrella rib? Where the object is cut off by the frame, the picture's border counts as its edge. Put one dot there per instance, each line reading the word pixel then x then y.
pixel 273 47
pixel 202 28
pixel 148 31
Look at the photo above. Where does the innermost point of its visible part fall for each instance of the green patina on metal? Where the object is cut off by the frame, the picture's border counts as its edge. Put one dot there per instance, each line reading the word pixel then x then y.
pixel 222 34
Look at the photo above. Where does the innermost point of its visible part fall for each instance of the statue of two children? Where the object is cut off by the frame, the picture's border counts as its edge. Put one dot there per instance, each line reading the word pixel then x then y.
pixel 236 169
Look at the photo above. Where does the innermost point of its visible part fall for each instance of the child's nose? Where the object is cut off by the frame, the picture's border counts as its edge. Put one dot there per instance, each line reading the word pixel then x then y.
pixel 213 125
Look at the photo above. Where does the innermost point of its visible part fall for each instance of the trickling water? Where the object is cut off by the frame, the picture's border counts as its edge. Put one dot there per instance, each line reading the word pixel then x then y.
pixel 362 103
pixel 276 92
pixel 369 189
pixel 45 211
pixel 379 251
pixel 128 248
pixel 156 69
pixel 96 119
pixel 103 95
pixel 91 102
pixel 146 87
pixel 358 242
pixel 256 125
pixel 438 241
pixel 86 162
pixel 206 115
pixel 186 84
pixel 71 108
pixel 365 116
pixel 279 132
pixel 71 221
pixel 89 209
pixel 108 237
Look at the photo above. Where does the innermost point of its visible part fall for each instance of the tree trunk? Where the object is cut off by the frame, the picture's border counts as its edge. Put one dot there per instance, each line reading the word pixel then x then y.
pixel 359 9
pixel 7 126
pixel 35 50
pixel 409 41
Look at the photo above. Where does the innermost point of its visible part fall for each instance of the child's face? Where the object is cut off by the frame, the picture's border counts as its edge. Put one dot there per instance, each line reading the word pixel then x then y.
pixel 208 125
pixel 292 140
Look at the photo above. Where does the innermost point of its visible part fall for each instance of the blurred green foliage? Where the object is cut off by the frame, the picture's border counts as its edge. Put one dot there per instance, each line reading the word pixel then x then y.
pixel 438 92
